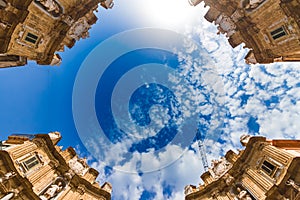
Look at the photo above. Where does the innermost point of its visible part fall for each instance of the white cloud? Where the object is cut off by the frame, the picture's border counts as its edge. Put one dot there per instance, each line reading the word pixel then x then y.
pixel 231 92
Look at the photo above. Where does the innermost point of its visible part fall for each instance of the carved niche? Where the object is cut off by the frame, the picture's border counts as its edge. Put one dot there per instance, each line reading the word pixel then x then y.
pixel 3 4
pixel 53 189
pixel 50 6
pixel 250 5
pixel 4 181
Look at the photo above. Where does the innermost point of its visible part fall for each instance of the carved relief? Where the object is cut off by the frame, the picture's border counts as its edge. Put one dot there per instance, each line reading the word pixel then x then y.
pixel 226 25
pixel 80 29
pixel 81 189
pixel 219 167
pixel 237 15
pixel 79 166
pixel 228 179
pixel 68 175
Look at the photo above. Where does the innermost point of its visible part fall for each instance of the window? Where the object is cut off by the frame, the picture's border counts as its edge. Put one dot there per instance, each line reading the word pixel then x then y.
pixel 31 38
pixel 278 33
pixel 31 162
pixel 3 146
pixel 268 168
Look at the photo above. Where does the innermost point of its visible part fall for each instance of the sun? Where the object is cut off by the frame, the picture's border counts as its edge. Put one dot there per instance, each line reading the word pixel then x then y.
pixel 169 13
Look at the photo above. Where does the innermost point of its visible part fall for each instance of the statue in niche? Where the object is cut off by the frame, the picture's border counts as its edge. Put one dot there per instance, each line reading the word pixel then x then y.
pixel 51 6
pixel 52 190
pixel 244 139
pixel 3 4
pixel 7 176
pixel 292 183
pixel 251 4
pixel 242 194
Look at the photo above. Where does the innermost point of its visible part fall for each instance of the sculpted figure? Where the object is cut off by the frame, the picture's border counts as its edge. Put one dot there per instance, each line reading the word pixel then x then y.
pixel 52 191
pixel 51 5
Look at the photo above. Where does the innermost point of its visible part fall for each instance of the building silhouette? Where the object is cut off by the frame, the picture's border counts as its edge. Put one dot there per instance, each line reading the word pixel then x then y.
pixel 34 167
pixel 38 29
pixel 269 28
pixel 264 170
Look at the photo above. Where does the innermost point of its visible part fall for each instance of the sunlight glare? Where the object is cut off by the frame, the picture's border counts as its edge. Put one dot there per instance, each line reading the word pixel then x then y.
pixel 169 13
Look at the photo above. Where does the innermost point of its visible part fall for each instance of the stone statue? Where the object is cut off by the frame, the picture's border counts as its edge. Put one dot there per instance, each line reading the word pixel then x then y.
pixel 293 184
pixel 253 4
pixel 244 139
pixel 242 195
pixel 7 176
pixel 50 5
pixel 3 4
pixel 52 191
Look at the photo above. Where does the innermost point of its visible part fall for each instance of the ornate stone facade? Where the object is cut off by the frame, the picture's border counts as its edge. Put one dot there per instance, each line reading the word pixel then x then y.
pixel 264 170
pixel 37 29
pixel 34 167
pixel 269 28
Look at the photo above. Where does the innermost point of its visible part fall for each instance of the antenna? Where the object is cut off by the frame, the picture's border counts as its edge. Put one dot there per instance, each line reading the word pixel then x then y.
pixel 202 150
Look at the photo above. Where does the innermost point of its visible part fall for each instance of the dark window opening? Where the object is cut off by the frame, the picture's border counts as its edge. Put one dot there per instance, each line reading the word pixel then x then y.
pixel 278 33
pixel 31 162
pixel 31 38
pixel 268 167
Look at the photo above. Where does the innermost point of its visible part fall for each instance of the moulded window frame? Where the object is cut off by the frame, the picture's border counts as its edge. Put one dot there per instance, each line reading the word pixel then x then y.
pixel 284 30
pixel 273 172
pixel 25 166
pixel 32 37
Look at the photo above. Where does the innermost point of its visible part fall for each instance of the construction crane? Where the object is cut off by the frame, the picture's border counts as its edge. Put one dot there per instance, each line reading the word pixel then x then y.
pixel 200 139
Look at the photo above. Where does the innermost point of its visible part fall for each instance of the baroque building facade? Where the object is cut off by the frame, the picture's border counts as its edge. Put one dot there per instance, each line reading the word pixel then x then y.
pixel 269 28
pixel 34 167
pixel 37 29
pixel 264 170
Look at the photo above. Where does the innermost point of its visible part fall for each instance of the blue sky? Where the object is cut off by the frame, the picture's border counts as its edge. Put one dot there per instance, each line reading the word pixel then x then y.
pixel 240 99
